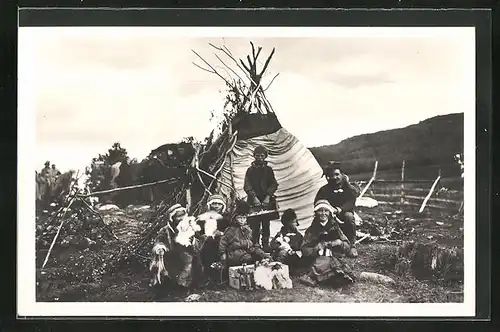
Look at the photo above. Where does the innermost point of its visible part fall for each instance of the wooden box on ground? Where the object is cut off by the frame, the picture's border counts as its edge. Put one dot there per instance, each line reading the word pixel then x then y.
pixel 236 271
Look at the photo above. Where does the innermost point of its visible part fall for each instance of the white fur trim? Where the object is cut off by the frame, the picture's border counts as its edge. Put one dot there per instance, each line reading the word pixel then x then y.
pixel 217 200
pixel 187 228
pixel 324 206
pixel 180 208
pixel 158 246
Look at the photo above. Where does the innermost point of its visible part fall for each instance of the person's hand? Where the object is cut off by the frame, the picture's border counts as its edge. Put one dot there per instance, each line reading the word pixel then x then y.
pixel 267 255
pixel 320 246
pixel 336 243
pixel 159 251
pixel 345 179
pixel 256 201
pixel 266 200
pixel 284 246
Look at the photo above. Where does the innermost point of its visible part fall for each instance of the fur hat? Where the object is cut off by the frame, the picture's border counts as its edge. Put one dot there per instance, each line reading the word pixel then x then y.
pixel 242 208
pixel 330 168
pixel 323 203
pixel 174 209
pixel 216 198
pixel 260 149
pixel 288 216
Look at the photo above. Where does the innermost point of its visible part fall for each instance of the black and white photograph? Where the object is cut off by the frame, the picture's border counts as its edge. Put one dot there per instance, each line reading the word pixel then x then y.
pixel 179 171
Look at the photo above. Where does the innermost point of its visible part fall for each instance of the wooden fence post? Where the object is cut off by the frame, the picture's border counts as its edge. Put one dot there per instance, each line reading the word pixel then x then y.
pixel 371 180
pixel 429 194
pixel 402 183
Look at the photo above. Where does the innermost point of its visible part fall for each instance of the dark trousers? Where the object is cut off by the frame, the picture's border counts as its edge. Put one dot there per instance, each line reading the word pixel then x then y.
pixel 259 225
pixel 349 225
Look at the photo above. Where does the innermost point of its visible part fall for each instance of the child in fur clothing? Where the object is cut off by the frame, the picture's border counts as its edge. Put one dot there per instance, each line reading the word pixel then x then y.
pixel 287 243
pixel 236 246
pixel 213 223
pixel 179 249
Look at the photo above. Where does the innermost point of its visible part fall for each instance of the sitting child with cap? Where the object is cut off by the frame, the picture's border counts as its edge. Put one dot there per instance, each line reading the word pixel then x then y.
pixel 287 243
pixel 236 246
pixel 213 223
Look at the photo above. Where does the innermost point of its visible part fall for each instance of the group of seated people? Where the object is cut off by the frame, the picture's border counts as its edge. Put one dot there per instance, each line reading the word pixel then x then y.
pixel 188 250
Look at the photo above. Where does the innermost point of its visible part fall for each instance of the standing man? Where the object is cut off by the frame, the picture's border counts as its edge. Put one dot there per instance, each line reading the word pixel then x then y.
pixel 55 171
pixel 46 171
pixel 260 186
pixel 342 197
pixel 48 181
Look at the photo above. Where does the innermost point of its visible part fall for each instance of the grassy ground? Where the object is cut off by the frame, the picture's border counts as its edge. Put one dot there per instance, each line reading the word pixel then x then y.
pixel 76 274
pixel 130 283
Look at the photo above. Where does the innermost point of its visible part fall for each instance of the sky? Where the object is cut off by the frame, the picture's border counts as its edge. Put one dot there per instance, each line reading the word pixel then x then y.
pixel 92 87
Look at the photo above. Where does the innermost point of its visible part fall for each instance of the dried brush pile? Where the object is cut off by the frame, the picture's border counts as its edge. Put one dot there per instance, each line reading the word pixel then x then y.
pixel 425 261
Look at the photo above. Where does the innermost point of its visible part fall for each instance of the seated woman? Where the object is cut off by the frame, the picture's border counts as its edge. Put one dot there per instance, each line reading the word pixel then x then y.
pixel 236 246
pixel 324 243
pixel 178 249
pixel 287 243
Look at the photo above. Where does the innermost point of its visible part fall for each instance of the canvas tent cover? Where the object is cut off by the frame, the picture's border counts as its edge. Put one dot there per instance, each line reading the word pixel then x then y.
pixel 298 173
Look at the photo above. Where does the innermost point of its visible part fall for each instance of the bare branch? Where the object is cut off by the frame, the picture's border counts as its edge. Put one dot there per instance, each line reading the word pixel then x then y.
pixel 230 55
pixel 252 66
pixel 267 62
pixel 258 52
pixel 216 47
pixel 210 66
pixel 271 81
pixel 227 66
pixel 253 51
pixel 204 68
pixel 248 69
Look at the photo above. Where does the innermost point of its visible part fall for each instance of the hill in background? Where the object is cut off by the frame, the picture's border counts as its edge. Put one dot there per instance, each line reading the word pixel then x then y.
pixel 426 147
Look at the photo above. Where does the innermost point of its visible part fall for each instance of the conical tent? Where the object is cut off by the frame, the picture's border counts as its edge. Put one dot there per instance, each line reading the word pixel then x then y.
pixel 298 173
pixel 251 121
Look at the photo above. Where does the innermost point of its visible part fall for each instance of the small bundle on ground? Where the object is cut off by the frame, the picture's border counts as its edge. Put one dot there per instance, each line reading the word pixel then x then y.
pixel 263 274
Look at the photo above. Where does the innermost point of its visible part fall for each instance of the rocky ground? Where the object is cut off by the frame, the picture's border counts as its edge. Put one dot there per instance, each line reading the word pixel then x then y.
pixel 421 252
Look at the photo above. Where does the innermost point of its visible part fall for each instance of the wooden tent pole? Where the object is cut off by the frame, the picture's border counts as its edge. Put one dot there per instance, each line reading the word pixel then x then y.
pixel 429 194
pixel 371 180
pixel 97 193
pixel 58 231
pixel 100 218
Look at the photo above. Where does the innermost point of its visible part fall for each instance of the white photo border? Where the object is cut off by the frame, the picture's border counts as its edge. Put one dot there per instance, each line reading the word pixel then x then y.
pixel 26 272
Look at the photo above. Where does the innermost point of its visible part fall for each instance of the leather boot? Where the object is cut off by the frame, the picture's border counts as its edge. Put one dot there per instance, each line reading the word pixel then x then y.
pixel 265 245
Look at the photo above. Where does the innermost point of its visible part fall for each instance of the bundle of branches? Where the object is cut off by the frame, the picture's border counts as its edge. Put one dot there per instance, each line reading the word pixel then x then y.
pixel 383 230
pixel 140 247
pixel 428 261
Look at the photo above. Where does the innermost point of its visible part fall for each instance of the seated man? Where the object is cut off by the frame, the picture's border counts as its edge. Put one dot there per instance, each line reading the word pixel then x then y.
pixel 342 197
pixel 236 246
